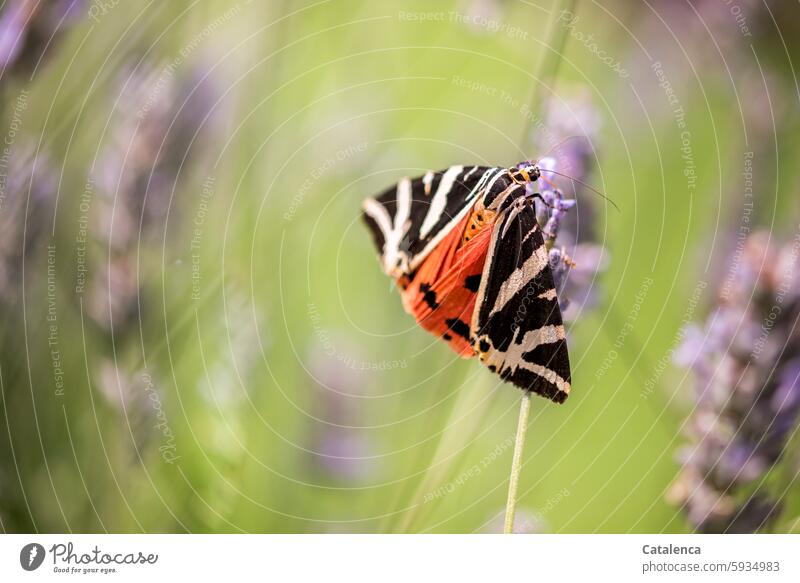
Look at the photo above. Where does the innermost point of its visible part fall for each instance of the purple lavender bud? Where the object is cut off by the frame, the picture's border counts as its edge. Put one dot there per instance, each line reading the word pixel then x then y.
pixel 747 391
pixel 787 395
pixel 12 28
pixel 28 185
pixel 150 147
pixel 568 132
pixel 28 29
pixel 340 449
pixel 560 269
pixel 573 273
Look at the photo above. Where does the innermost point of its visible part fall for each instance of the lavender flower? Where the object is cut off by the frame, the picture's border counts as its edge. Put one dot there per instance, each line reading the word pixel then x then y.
pixel 567 130
pixel 27 184
pixel 573 271
pixel 747 372
pixel 28 28
pixel 149 146
pixel 339 446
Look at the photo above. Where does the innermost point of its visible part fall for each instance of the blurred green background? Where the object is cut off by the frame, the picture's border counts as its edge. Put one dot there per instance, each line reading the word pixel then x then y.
pixel 196 335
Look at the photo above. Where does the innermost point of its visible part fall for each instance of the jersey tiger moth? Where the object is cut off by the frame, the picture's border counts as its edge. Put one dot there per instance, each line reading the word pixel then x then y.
pixel 470 260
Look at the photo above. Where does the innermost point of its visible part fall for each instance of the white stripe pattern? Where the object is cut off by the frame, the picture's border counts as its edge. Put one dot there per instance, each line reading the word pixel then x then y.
pixel 478 189
pixel 547 374
pixel 520 277
pixel 392 233
pixel 392 247
pixel 549 294
pixel 512 358
pixel 403 206
pixel 380 215
pixel 439 200
pixel 426 181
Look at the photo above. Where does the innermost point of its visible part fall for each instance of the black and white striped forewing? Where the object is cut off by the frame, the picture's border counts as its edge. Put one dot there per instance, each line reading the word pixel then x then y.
pixel 408 220
pixel 517 327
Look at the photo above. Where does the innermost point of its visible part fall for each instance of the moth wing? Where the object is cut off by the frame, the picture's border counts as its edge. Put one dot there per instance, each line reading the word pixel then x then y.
pixel 517 327
pixel 441 296
pixel 408 220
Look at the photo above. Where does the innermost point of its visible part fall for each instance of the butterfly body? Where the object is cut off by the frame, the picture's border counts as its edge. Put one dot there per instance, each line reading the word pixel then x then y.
pixel 470 260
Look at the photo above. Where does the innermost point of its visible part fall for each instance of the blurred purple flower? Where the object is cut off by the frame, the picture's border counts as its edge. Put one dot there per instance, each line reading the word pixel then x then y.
pixel 573 272
pixel 575 279
pixel 747 372
pixel 149 146
pixel 27 194
pixel 28 29
pixel 340 448
pixel 567 134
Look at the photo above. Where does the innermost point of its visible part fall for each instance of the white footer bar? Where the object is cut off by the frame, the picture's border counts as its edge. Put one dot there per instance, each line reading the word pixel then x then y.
pixel 406 558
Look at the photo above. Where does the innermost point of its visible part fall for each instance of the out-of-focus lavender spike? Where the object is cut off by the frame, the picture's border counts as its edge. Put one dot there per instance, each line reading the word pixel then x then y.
pixel 28 185
pixel 573 268
pixel 339 446
pixel 28 29
pixel 567 133
pixel 577 285
pixel 747 401
pixel 149 146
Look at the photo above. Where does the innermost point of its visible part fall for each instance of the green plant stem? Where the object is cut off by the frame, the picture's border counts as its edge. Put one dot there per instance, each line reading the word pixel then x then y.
pixel 547 68
pixel 516 462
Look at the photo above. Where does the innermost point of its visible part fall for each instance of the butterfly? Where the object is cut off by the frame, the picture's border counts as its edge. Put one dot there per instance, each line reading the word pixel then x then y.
pixel 469 257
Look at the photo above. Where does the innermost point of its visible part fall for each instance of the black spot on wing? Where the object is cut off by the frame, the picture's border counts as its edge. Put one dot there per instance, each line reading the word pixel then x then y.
pixel 473 282
pixel 428 295
pixel 459 327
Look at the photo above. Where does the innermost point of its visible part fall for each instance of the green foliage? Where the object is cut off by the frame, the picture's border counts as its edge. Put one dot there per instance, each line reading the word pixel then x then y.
pixel 314 108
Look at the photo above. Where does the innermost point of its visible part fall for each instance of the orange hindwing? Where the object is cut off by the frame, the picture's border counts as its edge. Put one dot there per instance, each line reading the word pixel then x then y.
pixel 441 295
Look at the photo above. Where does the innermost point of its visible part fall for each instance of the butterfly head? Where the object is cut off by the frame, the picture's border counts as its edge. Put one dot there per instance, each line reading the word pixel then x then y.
pixel 525 173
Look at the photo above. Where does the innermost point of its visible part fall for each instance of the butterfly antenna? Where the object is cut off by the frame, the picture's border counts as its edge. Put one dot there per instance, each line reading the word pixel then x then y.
pixel 582 183
pixel 561 143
